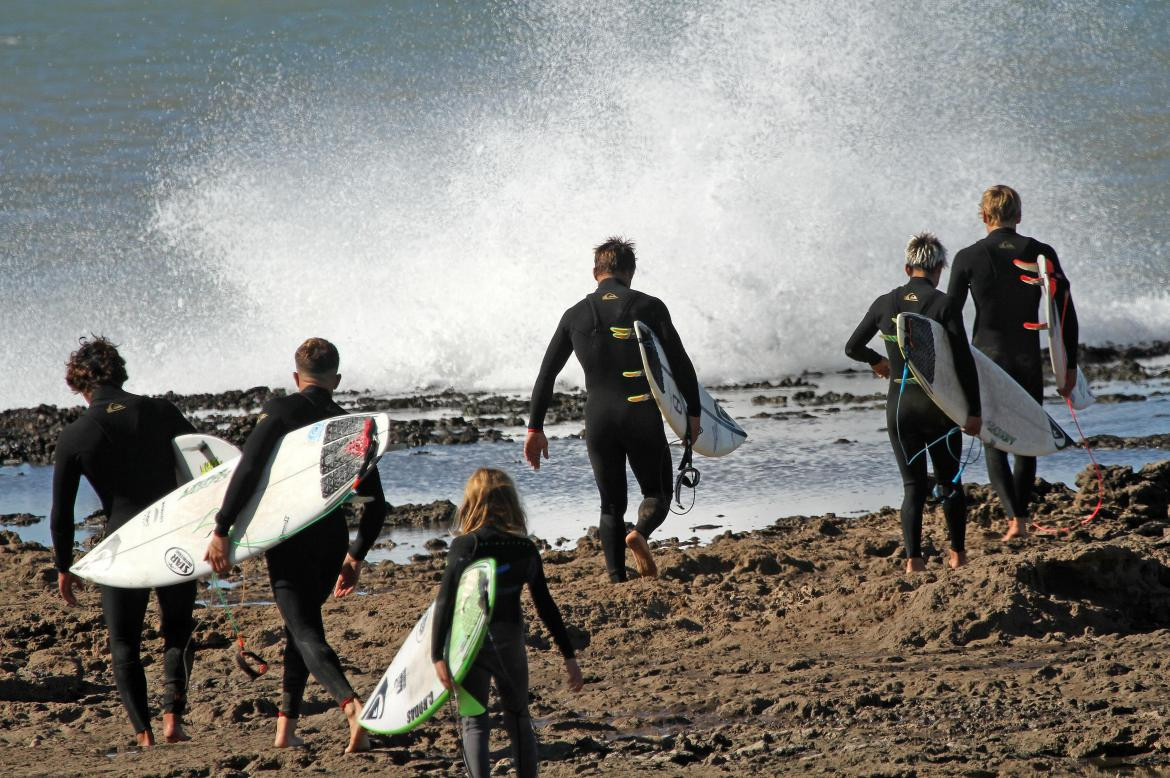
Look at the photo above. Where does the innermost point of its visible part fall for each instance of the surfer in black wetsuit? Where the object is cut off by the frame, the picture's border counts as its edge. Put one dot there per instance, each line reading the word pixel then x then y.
pixel 914 423
pixel 622 420
pixel 123 445
pixel 319 559
pixel 492 524
pixel 1003 306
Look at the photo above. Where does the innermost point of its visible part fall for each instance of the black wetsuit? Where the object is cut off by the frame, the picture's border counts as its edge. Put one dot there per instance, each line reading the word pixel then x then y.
pixel 123 446
pixel 304 568
pixel 503 656
pixel 913 421
pixel 621 418
pixel 1003 304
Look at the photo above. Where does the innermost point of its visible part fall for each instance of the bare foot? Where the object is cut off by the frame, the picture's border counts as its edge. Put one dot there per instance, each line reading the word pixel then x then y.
pixel 173 731
pixel 643 560
pixel 286 733
pixel 358 739
pixel 956 559
pixel 145 738
pixel 1017 528
pixel 915 564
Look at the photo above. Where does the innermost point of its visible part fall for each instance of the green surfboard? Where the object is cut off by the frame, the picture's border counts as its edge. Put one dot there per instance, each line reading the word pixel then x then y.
pixel 409 692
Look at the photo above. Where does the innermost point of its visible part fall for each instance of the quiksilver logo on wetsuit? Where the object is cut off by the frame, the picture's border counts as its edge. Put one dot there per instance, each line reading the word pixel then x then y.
pixel 609 296
pixel 115 407
pixel 911 297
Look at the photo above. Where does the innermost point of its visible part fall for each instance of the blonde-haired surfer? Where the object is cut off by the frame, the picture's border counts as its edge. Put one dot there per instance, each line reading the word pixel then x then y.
pixel 989 270
pixel 491 523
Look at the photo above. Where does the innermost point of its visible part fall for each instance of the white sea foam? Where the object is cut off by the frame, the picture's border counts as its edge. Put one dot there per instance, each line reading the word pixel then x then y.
pixel 769 159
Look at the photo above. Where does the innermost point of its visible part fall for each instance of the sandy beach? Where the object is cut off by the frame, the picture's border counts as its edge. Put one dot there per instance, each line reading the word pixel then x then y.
pixel 798 649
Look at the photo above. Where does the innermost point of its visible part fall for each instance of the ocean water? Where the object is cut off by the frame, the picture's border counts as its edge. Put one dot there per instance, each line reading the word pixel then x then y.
pixel 422 182
pixel 209 183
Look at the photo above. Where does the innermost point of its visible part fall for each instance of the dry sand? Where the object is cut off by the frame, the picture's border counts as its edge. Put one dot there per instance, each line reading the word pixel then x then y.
pixel 799 649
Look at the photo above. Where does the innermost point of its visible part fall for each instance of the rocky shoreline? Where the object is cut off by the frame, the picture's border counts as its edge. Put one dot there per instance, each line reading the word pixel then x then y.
pixel 799 649
pixel 29 435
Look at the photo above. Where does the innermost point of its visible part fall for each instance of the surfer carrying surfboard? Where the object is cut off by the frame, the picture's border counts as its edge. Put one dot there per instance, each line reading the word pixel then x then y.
pixel 914 423
pixel 621 418
pixel 123 445
pixel 987 270
pixel 319 559
pixel 492 524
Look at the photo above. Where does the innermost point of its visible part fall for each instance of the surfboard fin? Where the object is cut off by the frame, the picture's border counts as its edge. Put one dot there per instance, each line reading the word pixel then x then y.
pixel 1032 280
pixel 468 705
pixel 1030 267
pixel 1035 325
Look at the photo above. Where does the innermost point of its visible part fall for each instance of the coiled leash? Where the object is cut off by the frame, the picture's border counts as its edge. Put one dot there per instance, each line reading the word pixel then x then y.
pixel 245 659
pixel 688 477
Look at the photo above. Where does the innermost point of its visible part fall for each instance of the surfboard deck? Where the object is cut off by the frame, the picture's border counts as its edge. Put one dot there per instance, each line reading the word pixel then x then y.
pixel 311 472
pixel 720 434
pixel 409 691
pixel 1012 420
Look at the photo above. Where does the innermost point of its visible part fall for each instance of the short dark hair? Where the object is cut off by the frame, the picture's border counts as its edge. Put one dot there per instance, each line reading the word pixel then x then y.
pixel 317 356
pixel 615 255
pixel 96 362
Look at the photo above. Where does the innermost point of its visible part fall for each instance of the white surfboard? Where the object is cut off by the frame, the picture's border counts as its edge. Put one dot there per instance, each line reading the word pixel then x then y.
pixel 1080 397
pixel 719 433
pixel 197 454
pixel 1012 420
pixel 409 691
pixel 311 472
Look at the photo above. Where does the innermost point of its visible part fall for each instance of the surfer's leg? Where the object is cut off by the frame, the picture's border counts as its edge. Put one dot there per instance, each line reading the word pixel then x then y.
pixel 999 472
pixel 609 471
pixel 954 501
pixel 650 460
pixel 477 729
pixel 908 443
pixel 124 611
pixel 512 688
pixel 175 604
pixel 1024 481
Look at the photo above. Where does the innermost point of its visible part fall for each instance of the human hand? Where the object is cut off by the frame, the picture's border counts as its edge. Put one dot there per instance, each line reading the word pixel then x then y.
pixel 217 555
pixel 535 444
pixel 444 674
pixel 576 681
pixel 693 427
pixel 347 580
pixel 65 584
pixel 881 368
pixel 973 425
pixel 1070 381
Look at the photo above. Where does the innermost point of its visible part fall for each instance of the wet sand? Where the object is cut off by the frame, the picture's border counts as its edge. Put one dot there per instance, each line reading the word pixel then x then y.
pixel 798 649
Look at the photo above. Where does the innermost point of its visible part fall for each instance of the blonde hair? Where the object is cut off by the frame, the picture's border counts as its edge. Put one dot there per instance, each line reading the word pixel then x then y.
pixel 926 251
pixel 1001 205
pixel 490 499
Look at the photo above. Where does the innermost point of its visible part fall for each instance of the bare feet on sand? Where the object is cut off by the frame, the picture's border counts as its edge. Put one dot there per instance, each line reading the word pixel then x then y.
pixel 956 559
pixel 286 733
pixel 915 564
pixel 358 739
pixel 643 560
pixel 1017 528
pixel 145 738
pixel 173 731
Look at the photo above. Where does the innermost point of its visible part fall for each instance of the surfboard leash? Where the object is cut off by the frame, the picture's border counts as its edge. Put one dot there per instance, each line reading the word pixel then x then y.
pixel 1067 529
pixel 244 657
